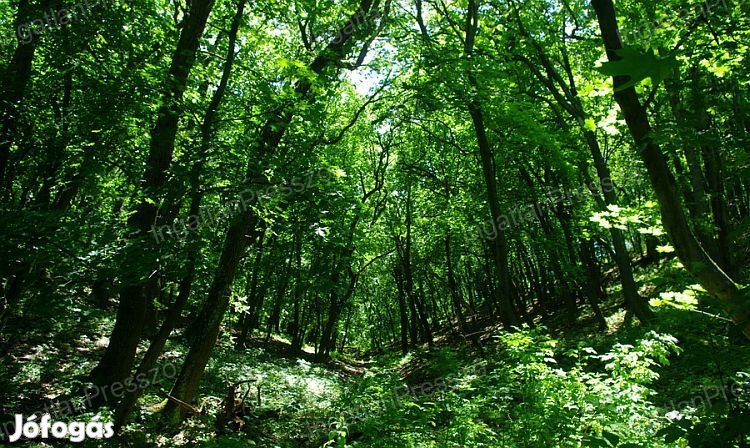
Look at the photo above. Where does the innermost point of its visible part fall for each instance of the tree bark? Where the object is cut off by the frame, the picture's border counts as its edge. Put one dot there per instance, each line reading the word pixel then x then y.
pixel 593 281
pixel 274 319
pixel 633 300
pixel 689 251
pixel 295 327
pixel 118 359
pixel 712 167
pixel 566 94
pixel 498 244
pixel 402 311
pixel 15 81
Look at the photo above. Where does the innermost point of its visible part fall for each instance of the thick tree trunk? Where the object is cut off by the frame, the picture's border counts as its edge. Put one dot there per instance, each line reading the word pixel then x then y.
pixel 158 342
pixel 690 252
pixel 239 235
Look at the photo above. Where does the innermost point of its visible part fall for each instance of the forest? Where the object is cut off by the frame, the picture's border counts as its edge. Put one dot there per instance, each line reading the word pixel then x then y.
pixel 375 223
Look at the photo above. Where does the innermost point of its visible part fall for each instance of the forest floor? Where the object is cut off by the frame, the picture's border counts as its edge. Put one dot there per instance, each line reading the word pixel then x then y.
pixel 435 396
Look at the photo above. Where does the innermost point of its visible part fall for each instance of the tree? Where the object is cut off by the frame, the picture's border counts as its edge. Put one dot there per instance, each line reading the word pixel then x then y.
pixel 693 256
pixel 142 285
pixel 244 228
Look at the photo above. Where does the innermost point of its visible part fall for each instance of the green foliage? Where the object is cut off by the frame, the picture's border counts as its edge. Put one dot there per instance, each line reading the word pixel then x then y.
pixel 638 65
pixel 521 395
pixel 376 167
pixel 337 436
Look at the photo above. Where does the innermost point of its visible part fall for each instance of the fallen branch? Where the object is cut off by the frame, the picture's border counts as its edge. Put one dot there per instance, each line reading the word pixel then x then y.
pixel 187 406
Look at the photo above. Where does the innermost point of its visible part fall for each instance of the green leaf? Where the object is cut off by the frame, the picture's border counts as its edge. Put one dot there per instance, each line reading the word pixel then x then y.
pixel 639 65
pixel 590 124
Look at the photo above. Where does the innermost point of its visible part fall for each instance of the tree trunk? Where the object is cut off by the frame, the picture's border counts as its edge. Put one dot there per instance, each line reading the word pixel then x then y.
pixel 175 310
pixel 56 152
pixel 424 317
pixel 453 287
pixel 15 81
pixel 633 300
pixel 274 320
pixel 498 243
pixel 117 361
pixel 237 238
pixel 712 165
pixel 689 251
pixel 208 323
pixel 566 95
pixel 295 328
pixel 336 306
pixel 404 318
pixel 255 297
pixel 593 281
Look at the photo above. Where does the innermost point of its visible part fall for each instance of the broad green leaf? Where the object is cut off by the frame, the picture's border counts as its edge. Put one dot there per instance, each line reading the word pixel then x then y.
pixel 639 65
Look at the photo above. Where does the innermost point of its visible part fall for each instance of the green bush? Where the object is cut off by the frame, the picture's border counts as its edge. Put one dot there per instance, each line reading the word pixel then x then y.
pixel 522 397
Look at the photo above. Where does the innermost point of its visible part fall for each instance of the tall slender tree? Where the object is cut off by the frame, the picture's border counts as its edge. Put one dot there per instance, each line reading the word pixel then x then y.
pixel 693 256
pixel 140 280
